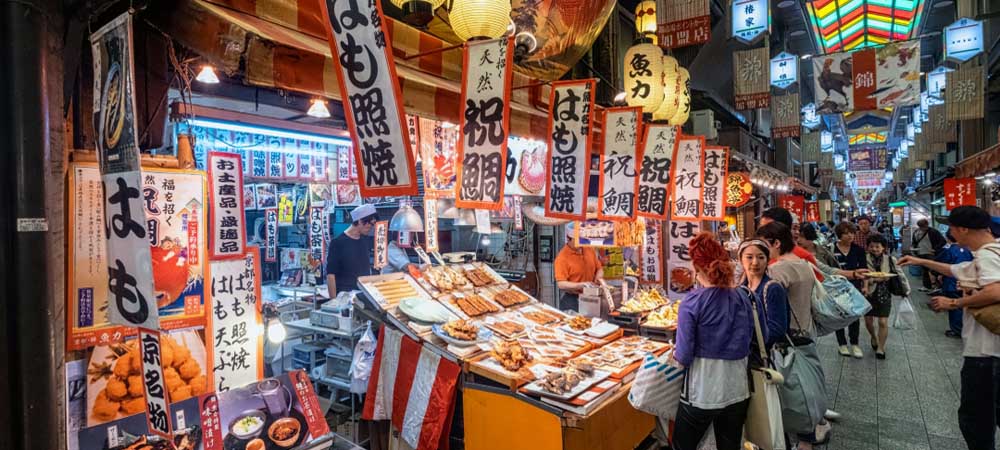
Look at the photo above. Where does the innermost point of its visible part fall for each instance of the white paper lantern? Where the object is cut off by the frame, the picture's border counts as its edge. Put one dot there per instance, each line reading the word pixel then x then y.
pixel 479 18
pixel 684 98
pixel 644 76
pixel 671 89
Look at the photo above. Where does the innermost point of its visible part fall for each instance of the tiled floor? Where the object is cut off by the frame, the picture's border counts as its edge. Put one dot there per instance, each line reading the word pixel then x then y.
pixel 908 401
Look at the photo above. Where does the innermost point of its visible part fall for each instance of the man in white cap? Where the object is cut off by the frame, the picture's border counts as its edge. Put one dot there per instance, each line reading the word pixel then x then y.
pixel 575 268
pixel 350 253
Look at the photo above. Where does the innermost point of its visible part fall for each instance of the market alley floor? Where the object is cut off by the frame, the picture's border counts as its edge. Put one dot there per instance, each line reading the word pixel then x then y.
pixel 908 401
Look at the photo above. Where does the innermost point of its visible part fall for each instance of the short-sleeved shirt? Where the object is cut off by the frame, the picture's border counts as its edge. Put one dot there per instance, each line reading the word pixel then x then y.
pixel 810 258
pixel 983 270
pixel 349 259
pixel 578 267
pixel 952 254
pixel 854 259
pixel 796 276
pixel 861 238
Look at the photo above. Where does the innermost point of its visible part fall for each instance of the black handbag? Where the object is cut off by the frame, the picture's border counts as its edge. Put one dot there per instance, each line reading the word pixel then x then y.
pixel 895 283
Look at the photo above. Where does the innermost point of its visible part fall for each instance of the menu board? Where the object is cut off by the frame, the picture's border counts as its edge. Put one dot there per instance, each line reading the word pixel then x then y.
pixel 235 346
pixel 174 203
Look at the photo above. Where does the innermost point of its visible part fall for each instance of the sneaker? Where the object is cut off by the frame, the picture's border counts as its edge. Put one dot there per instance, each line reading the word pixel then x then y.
pixel 832 415
pixel 844 351
pixel 856 351
pixel 953 334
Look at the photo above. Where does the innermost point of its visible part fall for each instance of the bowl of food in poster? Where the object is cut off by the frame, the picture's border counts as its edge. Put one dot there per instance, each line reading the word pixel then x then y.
pixel 284 432
pixel 248 424
pixel 681 279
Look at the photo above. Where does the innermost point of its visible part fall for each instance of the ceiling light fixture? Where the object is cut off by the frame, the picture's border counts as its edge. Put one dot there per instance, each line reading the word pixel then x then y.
pixel 207 75
pixel 786 3
pixel 318 109
pixel 796 33
pixel 943 4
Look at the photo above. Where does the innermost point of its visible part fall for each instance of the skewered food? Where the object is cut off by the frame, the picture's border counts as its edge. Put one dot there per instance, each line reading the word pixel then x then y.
pixel 511 297
pixel 565 380
pixel 541 317
pixel 461 329
pixel 479 277
pixel 644 300
pixel 579 323
pixel 664 317
pixel 506 327
pixel 510 355
pixel 473 305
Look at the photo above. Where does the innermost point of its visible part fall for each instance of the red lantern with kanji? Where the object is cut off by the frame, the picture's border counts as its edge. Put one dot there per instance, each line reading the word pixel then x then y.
pixel 959 192
pixel 738 188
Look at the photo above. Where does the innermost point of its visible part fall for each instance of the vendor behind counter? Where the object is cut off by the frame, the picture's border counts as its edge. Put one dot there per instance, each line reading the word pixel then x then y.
pixel 575 268
pixel 350 254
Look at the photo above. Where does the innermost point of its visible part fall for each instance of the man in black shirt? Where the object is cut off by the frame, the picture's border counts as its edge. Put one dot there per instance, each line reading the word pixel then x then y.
pixel 350 253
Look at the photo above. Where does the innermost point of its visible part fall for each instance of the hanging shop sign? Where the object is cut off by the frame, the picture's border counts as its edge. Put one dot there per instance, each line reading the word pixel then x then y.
pixel 809 117
pixel 683 22
pixel 687 175
pixel 381 244
pixel 739 189
pixel 568 162
pixel 810 146
pixel 937 81
pixel 225 185
pixel 713 206
pixel 619 181
pixel 963 39
pixel 413 133
pixel 784 70
pixel 518 214
pixel 114 105
pixel 271 234
pixel 965 93
pixel 826 142
pixel 795 204
pixel 751 78
pixel 235 344
pixel 485 122
pixel 812 212
pixel 869 178
pixel 651 253
pixel 867 159
pixel 658 146
pixel 430 224
pixel 680 272
pixel 154 384
pixel 360 44
pixel 939 128
pixel 959 192
pixel 749 20
pixel 868 79
pixel 785 116
pixel 438 154
pixel 317 243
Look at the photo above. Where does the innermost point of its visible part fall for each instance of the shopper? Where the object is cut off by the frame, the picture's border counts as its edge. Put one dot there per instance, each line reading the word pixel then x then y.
pixel 575 268
pixel 850 256
pixel 878 294
pixel 809 240
pixel 926 243
pixel 714 330
pixel 864 230
pixel 350 253
pixel 754 255
pixel 782 216
pixel 952 253
pixel 978 416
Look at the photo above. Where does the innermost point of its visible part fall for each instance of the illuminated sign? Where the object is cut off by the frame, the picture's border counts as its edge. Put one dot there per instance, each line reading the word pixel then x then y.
pixel 963 39
pixel 784 70
pixel 936 81
pixel 809 117
pixel 750 19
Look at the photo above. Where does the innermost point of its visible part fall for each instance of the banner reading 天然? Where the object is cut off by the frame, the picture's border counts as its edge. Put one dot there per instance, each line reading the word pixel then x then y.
pixel 659 144
pixel 687 176
pixel 619 181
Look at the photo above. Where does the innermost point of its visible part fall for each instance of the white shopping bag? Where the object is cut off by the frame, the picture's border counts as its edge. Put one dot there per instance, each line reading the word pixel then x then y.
pixel 657 386
pixel 361 365
pixel 905 316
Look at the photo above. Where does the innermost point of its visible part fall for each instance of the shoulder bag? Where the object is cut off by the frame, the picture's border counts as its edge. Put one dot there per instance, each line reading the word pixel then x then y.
pixel 763 425
pixel 803 393
pixel 896 286
pixel 988 316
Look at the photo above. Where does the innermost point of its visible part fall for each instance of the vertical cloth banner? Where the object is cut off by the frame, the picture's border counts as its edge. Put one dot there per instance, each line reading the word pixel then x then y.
pixel 236 347
pixel 430 224
pixel 833 83
pixel 687 175
pixel 795 204
pixel 681 23
pixel 271 234
pixel 571 108
pixel 964 96
pixel 812 212
pixel 679 269
pixel 651 253
pixel 752 79
pixel 658 146
pixel 362 54
pixel 413 387
pixel 713 205
pixel 154 385
pixel 381 244
pixel 619 181
pixel 225 188
pixel 485 121
pixel 959 192
pixel 785 116
pixel 897 73
pixel 317 243
pixel 131 298
pixel 864 76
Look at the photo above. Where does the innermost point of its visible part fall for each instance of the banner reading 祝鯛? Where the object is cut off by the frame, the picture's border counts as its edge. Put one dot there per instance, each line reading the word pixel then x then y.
pixel 619 181
pixel 658 145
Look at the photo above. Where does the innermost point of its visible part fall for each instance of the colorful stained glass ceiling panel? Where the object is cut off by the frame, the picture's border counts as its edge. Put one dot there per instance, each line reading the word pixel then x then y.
pixel 867 138
pixel 844 25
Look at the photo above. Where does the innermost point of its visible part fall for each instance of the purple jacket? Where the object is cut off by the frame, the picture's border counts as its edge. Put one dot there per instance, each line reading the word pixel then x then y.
pixel 714 323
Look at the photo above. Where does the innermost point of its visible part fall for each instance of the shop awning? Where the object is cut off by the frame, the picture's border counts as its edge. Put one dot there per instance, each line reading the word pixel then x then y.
pixel 282 44
pixel 979 164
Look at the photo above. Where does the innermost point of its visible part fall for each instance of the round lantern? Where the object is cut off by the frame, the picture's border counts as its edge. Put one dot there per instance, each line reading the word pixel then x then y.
pixel 478 19
pixel 671 79
pixel 418 12
pixel 738 188
pixel 684 98
pixel 645 17
pixel 644 76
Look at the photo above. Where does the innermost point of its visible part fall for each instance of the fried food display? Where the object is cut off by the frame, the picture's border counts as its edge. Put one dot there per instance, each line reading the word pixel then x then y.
pixel 579 323
pixel 445 279
pixel 621 353
pixel 563 381
pixel 665 317
pixel 631 233
pixel 541 317
pixel 479 277
pixel 125 391
pixel 511 297
pixel 644 300
pixel 473 305
pixel 681 279
pixel 461 329
pixel 395 290
pixel 510 355
pixel 507 328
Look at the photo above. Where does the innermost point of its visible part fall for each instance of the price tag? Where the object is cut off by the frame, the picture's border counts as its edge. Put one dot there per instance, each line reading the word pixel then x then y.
pixel 437 257
pixel 113 436
pixel 179 415
pixel 423 255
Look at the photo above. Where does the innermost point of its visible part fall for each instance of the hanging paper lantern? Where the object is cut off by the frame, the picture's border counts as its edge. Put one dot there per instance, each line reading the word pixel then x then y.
pixel 479 18
pixel 684 98
pixel 671 89
pixel 644 76
pixel 418 12
pixel 645 17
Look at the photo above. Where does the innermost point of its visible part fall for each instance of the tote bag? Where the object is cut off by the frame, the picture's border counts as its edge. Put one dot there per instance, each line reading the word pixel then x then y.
pixel 657 386
pixel 763 425
pixel 836 303
pixel 803 393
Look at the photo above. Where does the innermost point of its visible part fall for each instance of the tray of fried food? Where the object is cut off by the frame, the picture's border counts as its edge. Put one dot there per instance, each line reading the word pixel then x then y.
pixel 541 314
pixel 446 279
pixel 390 289
pixel 643 301
pixel 568 382
pixel 664 317
pixel 471 305
pixel 507 297
pixel 506 328
pixel 479 277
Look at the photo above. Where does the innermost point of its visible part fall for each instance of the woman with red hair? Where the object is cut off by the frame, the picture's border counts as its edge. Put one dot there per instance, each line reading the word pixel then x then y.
pixel 714 331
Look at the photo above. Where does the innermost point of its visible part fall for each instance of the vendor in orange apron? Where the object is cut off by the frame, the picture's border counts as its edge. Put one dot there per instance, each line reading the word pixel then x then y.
pixel 575 268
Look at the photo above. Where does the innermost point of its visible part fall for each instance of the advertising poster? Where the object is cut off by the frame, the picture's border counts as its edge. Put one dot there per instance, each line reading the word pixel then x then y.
pixel 595 233
pixel 680 273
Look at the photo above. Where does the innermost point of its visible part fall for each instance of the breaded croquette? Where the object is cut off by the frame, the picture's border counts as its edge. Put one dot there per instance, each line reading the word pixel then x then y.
pixel 104 408
pixel 135 386
pixel 197 385
pixel 189 370
pixel 122 365
pixel 134 405
pixel 116 389
pixel 181 393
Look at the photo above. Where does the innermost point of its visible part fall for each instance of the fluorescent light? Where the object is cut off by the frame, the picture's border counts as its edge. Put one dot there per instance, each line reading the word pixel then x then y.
pixel 943 3
pixel 786 3
pixel 318 109
pixel 797 33
pixel 268 131
pixel 207 75
pixel 991 174
pixel 805 56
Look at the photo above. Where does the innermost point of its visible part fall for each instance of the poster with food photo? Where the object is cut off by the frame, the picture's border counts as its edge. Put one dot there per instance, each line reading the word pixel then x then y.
pixel 348 195
pixel 129 433
pixel 595 233
pixel 267 195
pixel 249 197
pixel 274 413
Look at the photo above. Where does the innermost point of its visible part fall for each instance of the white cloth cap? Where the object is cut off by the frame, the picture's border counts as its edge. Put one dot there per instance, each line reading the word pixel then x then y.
pixel 362 211
pixel 570 230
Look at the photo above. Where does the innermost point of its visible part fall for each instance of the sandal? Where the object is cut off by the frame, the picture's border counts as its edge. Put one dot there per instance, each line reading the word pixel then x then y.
pixel 879 355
